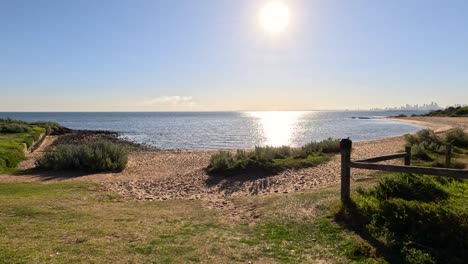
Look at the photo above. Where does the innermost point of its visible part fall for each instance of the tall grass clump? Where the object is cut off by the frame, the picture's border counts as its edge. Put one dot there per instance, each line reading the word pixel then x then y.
pixel 93 156
pixel 273 159
pixel 416 218
pixel 329 145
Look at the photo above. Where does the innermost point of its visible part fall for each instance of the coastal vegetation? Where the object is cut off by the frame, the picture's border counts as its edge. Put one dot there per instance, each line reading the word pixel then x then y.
pixel 450 111
pixel 15 135
pixel 93 156
pixel 428 148
pixel 412 218
pixel 273 159
pixel 416 218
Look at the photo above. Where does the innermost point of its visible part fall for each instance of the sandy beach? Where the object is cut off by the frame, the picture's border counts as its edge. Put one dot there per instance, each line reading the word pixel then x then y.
pixel 161 175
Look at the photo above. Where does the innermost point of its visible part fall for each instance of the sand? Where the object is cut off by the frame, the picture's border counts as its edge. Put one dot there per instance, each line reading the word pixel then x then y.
pixel 161 175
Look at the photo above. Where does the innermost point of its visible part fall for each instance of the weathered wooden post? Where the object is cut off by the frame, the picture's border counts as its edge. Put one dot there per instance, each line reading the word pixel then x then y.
pixel 345 148
pixel 408 156
pixel 448 155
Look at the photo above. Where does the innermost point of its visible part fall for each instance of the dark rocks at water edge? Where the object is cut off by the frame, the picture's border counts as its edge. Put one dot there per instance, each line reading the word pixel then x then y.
pixel 75 137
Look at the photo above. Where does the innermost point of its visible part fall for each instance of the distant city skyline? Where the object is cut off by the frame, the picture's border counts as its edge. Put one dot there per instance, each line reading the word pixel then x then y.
pixel 224 55
pixel 409 107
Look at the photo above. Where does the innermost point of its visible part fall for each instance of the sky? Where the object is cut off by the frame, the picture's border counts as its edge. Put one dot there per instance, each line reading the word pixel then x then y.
pixel 213 55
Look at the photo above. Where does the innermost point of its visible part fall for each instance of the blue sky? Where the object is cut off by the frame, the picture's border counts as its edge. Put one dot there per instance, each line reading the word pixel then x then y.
pixel 169 55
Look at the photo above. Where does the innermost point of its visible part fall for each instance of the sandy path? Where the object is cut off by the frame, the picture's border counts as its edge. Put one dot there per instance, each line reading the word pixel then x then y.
pixel 29 163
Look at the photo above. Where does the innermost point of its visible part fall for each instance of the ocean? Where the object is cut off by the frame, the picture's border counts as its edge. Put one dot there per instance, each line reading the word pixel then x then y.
pixel 231 130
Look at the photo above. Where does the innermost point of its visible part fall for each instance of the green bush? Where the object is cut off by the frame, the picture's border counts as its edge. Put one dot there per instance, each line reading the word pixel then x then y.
pixel 14 128
pixel 426 137
pixel 409 187
pixel 50 127
pixel 457 137
pixel 93 156
pixel 420 152
pixel 450 111
pixel 273 159
pixel 325 146
pixel 267 153
pixel 224 160
pixel 417 219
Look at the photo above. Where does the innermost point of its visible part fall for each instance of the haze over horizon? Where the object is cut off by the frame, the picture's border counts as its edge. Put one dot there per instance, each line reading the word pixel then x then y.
pixel 220 55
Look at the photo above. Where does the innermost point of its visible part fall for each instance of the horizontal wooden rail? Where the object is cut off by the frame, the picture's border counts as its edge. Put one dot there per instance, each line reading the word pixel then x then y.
pixel 463 174
pixel 384 158
pixel 369 164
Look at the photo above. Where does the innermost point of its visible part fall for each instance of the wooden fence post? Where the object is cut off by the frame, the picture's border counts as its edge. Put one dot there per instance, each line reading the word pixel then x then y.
pixel 448 154
pixel 408 156
pixel 345 148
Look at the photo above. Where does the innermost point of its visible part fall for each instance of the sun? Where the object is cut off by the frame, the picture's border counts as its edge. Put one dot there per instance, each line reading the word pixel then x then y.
pixel 274 17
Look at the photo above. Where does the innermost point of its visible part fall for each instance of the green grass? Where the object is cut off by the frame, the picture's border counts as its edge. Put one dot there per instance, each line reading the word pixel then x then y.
pixel 78 222
pixel 270 159
pixel 14 134
pixel 12 145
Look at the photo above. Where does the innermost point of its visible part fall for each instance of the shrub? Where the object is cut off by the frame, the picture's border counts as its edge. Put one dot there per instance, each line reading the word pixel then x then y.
pixel 14 128
pixel 325 146
pixel 457 137
pixel 410 187
pixel 92 156
pixel 450 111
pixel 461 111
pixel 52 128
pixel 420 152
pixel 425 136
pixel 224 160
pixel 273 159
pixel 418 219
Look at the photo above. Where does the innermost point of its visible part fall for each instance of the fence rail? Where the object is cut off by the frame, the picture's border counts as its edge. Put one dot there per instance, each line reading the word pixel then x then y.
pixel 369 164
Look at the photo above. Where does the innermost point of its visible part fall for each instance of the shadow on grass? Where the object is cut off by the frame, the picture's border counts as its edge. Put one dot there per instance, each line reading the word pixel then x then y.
pixel 350 217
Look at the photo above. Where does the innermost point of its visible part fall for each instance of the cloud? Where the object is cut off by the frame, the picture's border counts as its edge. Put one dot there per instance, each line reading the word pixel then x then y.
pixel 171 101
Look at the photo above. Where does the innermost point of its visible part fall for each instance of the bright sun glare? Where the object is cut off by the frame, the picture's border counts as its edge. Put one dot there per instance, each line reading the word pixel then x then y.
pixel 274 16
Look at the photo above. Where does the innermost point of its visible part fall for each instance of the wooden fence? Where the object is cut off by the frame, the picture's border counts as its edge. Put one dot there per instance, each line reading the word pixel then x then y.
pixel 347 164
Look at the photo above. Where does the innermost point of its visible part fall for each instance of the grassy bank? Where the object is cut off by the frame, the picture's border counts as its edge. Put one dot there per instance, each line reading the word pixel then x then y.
pixel 78 222
pixel 14 134
pixel 12 145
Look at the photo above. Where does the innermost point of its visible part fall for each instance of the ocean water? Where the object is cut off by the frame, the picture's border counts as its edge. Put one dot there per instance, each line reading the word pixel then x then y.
pixel 230 130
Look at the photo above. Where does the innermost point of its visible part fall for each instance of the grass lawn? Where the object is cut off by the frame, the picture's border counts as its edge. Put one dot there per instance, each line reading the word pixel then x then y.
pixel 78 222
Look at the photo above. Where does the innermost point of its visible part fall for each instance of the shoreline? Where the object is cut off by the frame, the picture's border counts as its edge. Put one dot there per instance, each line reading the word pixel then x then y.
pixel 179 174
pixel 438 124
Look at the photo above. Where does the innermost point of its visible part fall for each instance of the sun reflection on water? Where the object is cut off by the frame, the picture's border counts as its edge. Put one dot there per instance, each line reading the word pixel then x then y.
pixel 277 126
